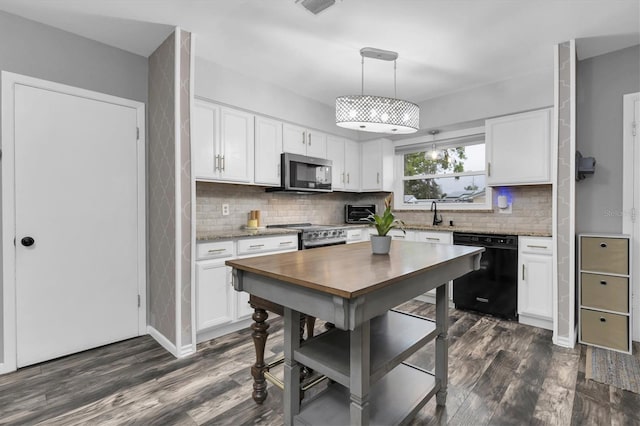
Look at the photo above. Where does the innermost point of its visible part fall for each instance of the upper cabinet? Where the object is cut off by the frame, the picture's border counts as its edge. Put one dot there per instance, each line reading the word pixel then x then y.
pixel 223 143
pixel 519 149
pixel 298 140
pixel 268 149
pixel 376 165
pixel 345 155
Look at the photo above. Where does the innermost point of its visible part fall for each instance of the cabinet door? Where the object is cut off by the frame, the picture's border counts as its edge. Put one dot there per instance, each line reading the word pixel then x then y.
pixel 294 139
pixel 214 294
pixel 518 148
pixel 316 144
pixel 268 149
pixel 535 285
pixel 243 309
pixel 371 165
pixel 351 165
pixel 236 140
pixel 336 153
pixel 206 130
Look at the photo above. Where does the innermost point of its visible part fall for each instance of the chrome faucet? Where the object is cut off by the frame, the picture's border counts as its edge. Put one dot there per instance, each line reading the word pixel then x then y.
pixel 434 208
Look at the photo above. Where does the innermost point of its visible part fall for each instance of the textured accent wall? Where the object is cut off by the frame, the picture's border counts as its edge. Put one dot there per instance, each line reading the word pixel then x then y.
pixel 161 192
pixel 185 186
pixel 565 196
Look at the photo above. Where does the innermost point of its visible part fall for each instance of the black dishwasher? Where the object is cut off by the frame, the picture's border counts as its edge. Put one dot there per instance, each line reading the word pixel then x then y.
pixel 492 289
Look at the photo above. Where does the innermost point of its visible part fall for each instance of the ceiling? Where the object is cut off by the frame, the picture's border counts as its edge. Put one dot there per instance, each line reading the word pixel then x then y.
pixel 444 46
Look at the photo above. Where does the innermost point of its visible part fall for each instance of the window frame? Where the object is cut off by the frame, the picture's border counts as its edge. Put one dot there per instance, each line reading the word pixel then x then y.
pixel 442 140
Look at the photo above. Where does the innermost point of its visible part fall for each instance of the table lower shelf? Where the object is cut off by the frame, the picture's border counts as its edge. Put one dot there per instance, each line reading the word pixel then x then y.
pixel 394 398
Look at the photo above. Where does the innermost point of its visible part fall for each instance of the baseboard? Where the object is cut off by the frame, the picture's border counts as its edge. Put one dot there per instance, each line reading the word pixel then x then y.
pixel 204 335
pixel 163 341
pixel 5 369
pixel 187 350
pixel 547 324
pixel 564 341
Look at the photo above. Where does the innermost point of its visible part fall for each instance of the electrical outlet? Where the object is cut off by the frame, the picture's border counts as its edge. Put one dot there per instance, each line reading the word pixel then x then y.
pixel 225 210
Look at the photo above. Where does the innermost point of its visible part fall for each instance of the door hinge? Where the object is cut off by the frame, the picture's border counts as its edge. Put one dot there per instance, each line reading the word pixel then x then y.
pixel 138 301
pixel 137 133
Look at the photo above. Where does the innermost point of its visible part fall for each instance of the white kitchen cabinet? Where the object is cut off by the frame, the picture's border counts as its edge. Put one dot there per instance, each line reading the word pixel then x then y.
pixel 268 147
pixel 214 293
pixel 223 143
pixel 356 235
pixel 376 165
pixel 436 237
pixel 395 234
pixel 299 140
pixel 519 149
pixel 345 155
pixel 535 281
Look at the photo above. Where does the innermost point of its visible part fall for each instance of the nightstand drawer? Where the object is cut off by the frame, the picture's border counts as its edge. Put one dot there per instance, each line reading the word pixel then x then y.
pixel 605 292
pixel 609 255
pixel 604 329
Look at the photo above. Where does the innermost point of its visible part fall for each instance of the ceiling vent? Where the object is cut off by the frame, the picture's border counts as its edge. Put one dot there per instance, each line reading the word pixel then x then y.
pixel 316 6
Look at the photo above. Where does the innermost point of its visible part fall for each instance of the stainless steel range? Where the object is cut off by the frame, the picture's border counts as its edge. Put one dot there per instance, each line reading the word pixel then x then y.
pixel 312 236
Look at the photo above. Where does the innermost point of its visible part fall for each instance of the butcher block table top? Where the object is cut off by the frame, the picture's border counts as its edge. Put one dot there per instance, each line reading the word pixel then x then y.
pixel 351 270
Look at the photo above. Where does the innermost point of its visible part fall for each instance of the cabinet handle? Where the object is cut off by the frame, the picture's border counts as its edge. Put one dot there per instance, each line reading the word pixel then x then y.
pixel 432 238
pixel 348 180
pixel 523 272
pixel 285 243
pixel 256 246
pixel 603 283
pixel 603 319
pixel 378 177
pixel 216 165
pixel 482 299
pixel 309 139
pixel 304 141
pixel 603 245
pixel 217 250
pixel 222 163
pixel 489 169
pixel 542 247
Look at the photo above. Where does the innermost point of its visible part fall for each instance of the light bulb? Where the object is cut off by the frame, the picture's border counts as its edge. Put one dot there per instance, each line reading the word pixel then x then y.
pixel 434 155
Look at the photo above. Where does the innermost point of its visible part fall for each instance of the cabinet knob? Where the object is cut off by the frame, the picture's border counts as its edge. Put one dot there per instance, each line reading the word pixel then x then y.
pixel 603 319
pixel 603 245
pixel 27 241
pixel 603 283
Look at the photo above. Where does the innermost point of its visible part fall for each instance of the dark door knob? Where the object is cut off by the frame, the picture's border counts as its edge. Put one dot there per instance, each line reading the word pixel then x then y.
pixel 27 241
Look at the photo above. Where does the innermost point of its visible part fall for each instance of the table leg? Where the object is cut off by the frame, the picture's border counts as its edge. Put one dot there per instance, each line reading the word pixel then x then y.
pixel 360 345
pixel 259 336
pixel 442 342
pixel 291 367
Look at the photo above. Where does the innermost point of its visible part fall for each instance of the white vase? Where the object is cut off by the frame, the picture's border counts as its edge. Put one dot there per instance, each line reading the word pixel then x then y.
pixel 380 244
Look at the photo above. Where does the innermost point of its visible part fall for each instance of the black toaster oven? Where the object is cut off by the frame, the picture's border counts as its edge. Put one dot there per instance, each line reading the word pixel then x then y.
pixel 358 213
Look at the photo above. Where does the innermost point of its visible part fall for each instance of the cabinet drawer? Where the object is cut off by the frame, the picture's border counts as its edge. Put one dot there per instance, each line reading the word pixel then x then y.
pixel 215 250
pixel 540 245
pixel 355 234
pixel 605 292
pixel 604 255
pixel 434 237
pixel 267 244
pixel 603 329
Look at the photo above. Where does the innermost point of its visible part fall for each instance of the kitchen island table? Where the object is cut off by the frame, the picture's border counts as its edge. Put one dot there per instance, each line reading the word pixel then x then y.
pixel 356 291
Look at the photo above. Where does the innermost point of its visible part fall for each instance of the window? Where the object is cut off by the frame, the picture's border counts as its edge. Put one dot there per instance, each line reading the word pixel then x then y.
pixel 451 172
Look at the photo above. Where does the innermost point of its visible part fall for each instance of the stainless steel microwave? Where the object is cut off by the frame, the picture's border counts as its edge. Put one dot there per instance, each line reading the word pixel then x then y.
pixel 300 173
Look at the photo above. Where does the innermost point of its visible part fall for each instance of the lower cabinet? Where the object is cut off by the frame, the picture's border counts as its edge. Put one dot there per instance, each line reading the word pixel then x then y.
pixel 219 308
pixel 437 237
pixel 535 281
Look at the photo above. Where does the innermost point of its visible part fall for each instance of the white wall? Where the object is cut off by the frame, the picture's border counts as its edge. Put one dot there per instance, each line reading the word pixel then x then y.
pixel 218 83
pixel 601 82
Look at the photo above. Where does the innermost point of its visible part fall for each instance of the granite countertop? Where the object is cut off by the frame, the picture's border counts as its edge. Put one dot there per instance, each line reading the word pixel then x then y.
pixel 266 232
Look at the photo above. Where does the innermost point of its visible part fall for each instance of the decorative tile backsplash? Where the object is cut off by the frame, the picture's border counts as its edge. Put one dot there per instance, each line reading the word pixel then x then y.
pixel 531 209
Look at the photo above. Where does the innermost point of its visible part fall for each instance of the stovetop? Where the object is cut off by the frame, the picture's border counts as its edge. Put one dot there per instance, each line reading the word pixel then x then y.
pixel 306 227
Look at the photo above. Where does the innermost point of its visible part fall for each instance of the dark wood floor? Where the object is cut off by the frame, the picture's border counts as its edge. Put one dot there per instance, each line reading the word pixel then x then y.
pixel 501 373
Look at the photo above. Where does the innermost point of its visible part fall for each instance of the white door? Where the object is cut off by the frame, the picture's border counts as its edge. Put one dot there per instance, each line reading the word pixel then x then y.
pixel 236 140
pixel 76 196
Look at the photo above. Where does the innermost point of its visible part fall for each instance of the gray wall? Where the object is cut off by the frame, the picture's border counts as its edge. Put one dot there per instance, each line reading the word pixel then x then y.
pixel 220 84
pixel 37 50
pixel 601 82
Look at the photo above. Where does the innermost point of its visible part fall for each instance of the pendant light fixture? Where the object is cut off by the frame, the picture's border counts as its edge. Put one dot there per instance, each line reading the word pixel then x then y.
pixel 376 113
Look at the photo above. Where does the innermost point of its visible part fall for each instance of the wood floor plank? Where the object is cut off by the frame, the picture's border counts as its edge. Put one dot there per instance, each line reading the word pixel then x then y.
pixel 500 372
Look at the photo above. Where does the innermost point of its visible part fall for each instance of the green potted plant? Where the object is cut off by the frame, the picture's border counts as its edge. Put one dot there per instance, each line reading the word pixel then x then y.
pixel 381 243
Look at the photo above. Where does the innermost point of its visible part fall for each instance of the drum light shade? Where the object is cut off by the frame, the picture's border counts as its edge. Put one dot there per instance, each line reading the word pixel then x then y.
pixel 377 114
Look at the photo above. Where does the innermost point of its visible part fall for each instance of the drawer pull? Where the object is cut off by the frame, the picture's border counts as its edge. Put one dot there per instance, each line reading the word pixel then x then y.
pixel 532 246
pixel 432 238
pixel 284 243
pixel 482 299
pixel 217 250
pixel 603 245
pixel 603 319
pixel 603 283
pixel 523 272
pixel 256 246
